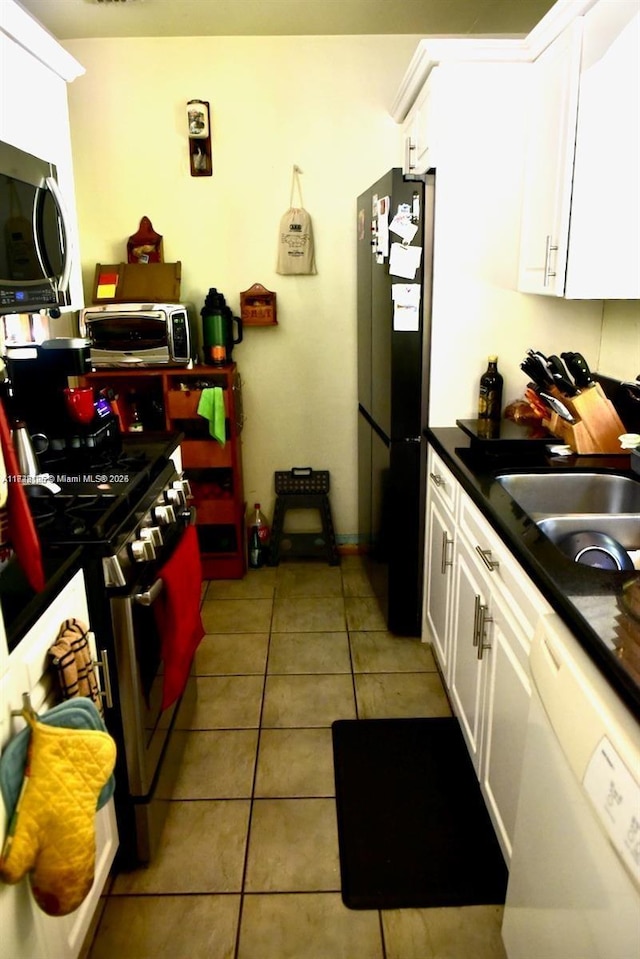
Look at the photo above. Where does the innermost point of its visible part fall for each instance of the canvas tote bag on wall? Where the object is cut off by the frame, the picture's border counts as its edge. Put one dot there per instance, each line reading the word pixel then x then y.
pixel 296 254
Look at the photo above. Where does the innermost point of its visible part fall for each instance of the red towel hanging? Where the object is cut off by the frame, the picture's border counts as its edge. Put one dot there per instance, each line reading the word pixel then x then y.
pixel 177 612
pixel 22 529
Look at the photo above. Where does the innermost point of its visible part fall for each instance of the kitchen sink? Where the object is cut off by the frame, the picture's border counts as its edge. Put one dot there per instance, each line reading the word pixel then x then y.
pixel 593 518
pixel 551 494
pixel 625 529
pixel 601 540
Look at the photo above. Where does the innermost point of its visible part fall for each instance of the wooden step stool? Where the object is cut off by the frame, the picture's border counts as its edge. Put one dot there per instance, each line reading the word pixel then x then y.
pixel 303 488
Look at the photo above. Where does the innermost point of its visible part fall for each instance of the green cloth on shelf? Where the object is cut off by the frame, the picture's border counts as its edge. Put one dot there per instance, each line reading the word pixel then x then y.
pixel 211 406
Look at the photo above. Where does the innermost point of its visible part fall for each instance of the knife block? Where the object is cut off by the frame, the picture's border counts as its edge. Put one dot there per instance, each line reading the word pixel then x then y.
pixel 597 425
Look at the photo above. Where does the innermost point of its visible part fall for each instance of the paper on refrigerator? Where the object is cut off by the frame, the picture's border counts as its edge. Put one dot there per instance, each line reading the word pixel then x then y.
pixel 404 260
pixel 406 306
pixel 404 224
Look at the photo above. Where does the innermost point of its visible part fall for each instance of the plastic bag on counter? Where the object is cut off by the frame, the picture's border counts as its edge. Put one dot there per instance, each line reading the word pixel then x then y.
pixel 521 411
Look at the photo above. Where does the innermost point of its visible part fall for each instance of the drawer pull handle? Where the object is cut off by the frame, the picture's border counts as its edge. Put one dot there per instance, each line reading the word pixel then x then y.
pixel 444 561
pixel 485 556
pixel 437 479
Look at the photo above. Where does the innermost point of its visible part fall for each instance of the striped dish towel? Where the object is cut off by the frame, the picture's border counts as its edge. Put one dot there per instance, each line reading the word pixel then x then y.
pixel 71 656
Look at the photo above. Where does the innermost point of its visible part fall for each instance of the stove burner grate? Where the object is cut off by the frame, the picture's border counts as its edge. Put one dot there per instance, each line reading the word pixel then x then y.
pixel 69 517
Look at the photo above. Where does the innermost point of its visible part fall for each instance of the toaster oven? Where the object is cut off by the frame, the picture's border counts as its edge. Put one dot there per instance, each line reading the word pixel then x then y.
pixel 139 334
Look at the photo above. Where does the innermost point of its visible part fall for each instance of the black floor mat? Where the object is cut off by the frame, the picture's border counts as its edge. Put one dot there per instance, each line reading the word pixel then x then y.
pixel 413 829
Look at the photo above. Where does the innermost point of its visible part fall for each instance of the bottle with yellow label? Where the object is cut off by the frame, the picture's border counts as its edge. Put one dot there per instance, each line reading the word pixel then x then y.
pixel 490 393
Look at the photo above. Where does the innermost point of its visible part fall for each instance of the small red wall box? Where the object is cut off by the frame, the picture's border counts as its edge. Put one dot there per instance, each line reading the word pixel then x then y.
pixel 258 306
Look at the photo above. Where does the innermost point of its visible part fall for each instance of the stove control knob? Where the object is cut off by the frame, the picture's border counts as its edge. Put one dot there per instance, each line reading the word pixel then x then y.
pixel 184 485
pixel 152 534
pixel 163 515
pixel 142 550
pixel 175 497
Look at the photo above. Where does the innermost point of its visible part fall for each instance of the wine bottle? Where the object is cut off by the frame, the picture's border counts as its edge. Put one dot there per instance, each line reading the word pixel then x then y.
pixel 490 393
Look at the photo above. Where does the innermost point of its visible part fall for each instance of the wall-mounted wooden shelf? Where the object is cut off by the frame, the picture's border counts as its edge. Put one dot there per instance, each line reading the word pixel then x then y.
pixel 258 306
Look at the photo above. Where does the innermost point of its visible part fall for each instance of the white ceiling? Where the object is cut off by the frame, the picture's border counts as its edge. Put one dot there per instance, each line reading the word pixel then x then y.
pixel 77 19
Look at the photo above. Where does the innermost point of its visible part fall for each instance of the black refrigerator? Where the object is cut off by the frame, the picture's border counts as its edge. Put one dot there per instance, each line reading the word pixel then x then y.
pixel 395 259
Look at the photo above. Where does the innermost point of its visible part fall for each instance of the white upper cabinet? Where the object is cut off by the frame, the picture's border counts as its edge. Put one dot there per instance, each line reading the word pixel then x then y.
pixel 552 109
pixel 34 115
pixel 604 247
pixel 581 209
pixel 420 129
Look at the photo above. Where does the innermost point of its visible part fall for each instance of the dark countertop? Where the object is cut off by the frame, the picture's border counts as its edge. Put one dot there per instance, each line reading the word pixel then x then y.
pixel 602 609
pixel 21 606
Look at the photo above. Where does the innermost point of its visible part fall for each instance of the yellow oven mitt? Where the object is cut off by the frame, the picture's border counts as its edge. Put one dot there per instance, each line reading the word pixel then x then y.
pixel 51 834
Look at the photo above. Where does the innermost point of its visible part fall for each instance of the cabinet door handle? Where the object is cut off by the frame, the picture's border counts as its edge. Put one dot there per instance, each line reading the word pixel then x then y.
pixel 436 479
pixel 549 249
pixel 444 561
pixel 485 556
pixel 409 148
pixel 103 665
pixel 483 619
pixel 476 619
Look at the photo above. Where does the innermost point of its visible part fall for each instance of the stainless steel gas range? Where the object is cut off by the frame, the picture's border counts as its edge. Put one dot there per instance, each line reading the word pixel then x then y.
pixel 128 508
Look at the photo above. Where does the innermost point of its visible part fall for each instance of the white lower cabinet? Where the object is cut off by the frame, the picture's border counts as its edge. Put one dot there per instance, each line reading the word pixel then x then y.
pixel 442 495
pixel 439 565
pixel 27 932
pixel 480 615
pixel 468 663
pixel 506 709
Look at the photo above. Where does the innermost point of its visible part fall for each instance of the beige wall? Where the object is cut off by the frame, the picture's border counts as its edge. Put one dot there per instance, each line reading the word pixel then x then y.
pixel 620 349
pixel 319 102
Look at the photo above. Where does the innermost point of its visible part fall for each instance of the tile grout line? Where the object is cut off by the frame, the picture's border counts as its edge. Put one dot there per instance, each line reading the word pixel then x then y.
pixel 255 776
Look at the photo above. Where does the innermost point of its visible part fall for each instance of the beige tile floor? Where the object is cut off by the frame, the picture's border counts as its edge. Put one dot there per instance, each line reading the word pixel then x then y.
pixel 249 864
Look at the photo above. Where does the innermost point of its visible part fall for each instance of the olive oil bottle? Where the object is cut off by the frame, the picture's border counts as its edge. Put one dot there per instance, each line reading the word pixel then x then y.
pixel 490 393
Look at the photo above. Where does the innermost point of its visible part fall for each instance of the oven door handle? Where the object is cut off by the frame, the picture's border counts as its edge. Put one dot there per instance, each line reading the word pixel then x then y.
pixel 149 596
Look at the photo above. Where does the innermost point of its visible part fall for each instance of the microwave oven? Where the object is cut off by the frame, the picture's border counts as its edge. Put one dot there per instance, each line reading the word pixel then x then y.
pixel 35 240
pixel 139 334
